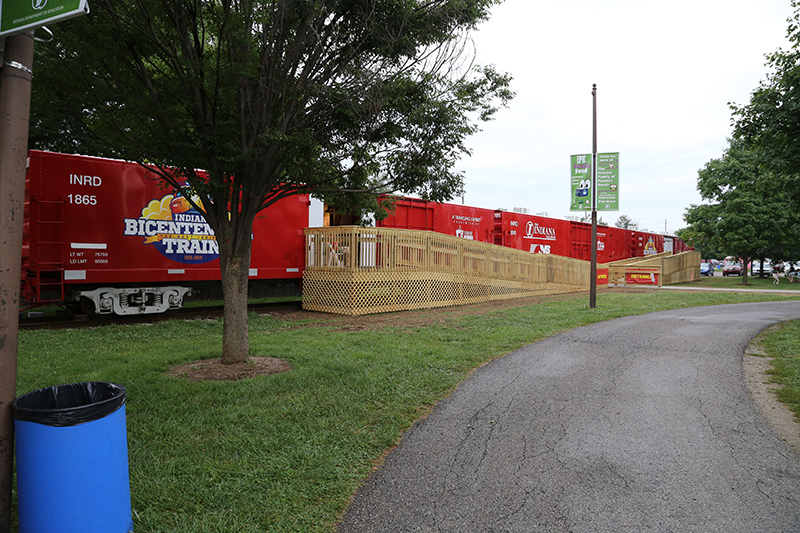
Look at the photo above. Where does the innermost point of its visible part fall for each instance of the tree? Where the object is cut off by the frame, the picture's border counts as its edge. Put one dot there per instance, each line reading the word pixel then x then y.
pixel 625 222
pixel 271 98
pixel 699 241
pixel 745 217
pixel 770 122
pixel 769 125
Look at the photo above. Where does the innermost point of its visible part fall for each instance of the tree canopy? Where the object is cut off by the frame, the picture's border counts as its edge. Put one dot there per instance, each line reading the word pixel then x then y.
pixel 270 98
pixel 283 95
pixel 699 241
pixel 753 190
pixel 746 216
pixel 770 122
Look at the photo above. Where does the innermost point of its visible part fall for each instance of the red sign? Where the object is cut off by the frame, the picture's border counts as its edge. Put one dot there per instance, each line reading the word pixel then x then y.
pixel 602 276
pixel 641 277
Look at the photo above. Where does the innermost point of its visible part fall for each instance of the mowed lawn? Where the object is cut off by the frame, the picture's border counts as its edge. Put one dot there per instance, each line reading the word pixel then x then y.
pixel 284 453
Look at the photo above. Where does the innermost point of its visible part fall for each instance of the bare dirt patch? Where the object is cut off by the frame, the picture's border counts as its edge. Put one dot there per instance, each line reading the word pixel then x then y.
pixel 214 370
pixel 427 317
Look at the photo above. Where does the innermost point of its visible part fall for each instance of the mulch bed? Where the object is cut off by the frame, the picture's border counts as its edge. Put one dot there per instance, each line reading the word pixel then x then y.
pixel 214 370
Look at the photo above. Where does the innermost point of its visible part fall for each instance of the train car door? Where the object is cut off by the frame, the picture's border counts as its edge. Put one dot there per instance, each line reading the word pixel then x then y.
pixel 410 213
pixel 581 237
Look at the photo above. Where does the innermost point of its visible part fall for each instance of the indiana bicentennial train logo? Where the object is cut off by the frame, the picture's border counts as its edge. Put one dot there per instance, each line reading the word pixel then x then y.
pixel 176 229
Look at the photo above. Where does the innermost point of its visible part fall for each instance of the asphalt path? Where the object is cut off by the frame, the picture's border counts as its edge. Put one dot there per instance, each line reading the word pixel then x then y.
pixel 636 424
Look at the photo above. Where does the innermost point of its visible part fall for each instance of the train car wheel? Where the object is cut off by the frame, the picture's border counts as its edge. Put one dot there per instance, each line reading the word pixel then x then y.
pixel 73 308
pixel 87 307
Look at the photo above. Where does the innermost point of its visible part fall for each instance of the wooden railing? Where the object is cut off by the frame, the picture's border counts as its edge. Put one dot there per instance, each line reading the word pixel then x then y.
pixel 354 270
pixel 666 268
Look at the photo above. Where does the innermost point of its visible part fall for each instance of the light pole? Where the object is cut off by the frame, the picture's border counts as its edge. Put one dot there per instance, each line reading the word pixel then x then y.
pixel 15 103
pixel 593 269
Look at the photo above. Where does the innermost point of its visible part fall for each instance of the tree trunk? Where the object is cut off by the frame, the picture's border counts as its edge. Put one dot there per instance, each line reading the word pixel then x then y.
pixel 234 269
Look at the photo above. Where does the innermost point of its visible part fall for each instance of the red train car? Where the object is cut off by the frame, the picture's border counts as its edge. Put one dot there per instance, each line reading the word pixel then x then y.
pixel 472 223
pixel 105 236
pixel 537 234
pixel 532 233
pixel 645 243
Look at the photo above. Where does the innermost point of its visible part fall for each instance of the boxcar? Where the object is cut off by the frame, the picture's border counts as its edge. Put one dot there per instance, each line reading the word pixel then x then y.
pixel 532 233
pixel 471 223
pixel 544 235
pixel 105 236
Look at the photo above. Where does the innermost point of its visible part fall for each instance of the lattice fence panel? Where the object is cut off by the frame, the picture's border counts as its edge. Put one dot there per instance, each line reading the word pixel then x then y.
pixel 355 271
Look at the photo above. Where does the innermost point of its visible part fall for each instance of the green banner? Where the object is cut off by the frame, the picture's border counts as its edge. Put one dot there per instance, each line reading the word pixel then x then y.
pixel 581 182
pixel 608 182
pixel 20 15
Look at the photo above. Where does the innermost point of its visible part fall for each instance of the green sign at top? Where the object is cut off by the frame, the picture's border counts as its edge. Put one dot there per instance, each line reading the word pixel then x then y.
pixel 608 182
pixel 580 182
pixel 21 15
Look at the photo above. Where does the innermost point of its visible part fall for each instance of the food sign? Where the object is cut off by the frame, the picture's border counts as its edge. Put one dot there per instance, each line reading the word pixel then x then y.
pixel 581 182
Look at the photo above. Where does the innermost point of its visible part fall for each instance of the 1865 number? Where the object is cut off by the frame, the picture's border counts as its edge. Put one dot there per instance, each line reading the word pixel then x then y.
pixel 82 199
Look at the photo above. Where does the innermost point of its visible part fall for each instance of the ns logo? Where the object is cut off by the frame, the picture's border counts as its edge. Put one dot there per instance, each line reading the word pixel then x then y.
pixel 38 4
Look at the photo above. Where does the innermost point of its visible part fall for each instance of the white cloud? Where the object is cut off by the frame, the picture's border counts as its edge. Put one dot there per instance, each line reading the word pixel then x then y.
pixel 665 74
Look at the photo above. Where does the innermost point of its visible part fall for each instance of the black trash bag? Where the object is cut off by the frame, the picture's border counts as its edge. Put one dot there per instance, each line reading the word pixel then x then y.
pixel 69 405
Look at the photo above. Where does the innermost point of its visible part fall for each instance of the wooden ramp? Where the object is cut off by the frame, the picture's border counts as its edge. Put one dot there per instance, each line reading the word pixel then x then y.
pixel 353 270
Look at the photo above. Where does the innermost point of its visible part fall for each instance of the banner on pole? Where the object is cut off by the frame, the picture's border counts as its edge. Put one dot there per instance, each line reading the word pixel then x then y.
pixel 581 182
pixel 21 15
pixel 608 181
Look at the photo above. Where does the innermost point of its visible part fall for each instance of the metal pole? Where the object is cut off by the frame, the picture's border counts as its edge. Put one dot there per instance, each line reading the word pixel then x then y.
pixel 15 104
pixel 593 269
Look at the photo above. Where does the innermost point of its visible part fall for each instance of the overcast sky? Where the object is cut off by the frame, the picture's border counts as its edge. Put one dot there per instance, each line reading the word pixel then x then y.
pixel 665 74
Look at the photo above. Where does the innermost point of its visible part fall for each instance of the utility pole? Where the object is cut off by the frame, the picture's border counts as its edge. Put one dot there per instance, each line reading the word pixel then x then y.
pixel 593 269
pixel 15 104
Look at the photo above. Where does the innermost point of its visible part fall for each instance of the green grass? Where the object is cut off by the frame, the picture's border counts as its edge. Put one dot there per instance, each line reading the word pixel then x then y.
pixel 718 281
pixel 783 345
pixel 284 453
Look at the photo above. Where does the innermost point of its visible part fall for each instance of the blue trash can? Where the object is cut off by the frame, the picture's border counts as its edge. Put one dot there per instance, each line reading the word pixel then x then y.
pixel 72 459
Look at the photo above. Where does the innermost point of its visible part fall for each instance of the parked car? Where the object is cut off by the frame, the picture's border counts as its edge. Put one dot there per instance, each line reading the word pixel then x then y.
pixel 755 268
pixel 732 269
pixel 706 269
